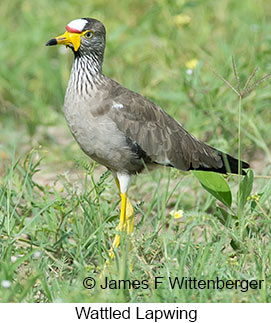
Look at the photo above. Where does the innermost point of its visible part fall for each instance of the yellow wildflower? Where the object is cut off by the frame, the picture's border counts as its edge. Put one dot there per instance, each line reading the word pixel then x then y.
pixel 181 20
pixel 254 197
pixel 191 64
pixel 176 214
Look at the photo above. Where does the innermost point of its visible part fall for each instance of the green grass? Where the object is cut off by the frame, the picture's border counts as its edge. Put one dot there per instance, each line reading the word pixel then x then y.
pixel 58 211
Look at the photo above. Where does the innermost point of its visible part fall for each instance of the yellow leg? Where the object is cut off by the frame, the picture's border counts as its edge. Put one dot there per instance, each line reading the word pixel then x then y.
pixel 126 220
pixel 130 218
pixel 126 223
pixel 129 212
pixel 121 226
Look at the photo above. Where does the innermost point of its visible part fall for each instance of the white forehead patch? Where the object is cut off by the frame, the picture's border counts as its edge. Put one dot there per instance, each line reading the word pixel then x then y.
pixel 77 24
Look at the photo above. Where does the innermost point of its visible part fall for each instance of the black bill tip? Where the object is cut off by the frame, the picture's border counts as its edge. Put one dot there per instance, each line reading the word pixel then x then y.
pixel 51 42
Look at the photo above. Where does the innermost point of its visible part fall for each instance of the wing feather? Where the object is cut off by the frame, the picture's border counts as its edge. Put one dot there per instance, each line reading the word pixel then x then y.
pixel 159 135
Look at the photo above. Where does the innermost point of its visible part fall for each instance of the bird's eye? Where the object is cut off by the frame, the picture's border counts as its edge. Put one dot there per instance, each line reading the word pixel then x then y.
pixel 88 34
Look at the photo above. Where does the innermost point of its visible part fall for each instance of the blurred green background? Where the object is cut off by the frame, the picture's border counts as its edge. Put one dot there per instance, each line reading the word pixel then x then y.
pixel 165 50
pixel 148 44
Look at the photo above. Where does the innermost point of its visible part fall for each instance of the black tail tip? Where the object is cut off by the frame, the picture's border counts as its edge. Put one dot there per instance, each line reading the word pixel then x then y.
pixel 231 165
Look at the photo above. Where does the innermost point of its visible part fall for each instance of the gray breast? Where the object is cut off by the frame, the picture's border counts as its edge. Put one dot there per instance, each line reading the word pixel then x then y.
pixel 97 134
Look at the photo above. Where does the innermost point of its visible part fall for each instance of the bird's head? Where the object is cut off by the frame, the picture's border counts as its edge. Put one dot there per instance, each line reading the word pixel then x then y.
pixel 83 36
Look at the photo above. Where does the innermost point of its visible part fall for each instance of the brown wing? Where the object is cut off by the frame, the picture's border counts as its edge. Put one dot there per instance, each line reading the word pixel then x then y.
pixel 159 135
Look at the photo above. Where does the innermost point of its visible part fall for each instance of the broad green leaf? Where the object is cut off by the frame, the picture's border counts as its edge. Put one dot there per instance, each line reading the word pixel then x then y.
pixel 216 185
pixel 245 188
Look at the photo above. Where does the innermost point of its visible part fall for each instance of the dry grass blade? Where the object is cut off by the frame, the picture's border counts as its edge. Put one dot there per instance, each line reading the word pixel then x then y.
pixel 248 90
pixel 226 82
pixel 237 79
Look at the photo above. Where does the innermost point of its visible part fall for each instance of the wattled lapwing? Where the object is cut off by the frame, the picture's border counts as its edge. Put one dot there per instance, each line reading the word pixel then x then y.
pixel 121 129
